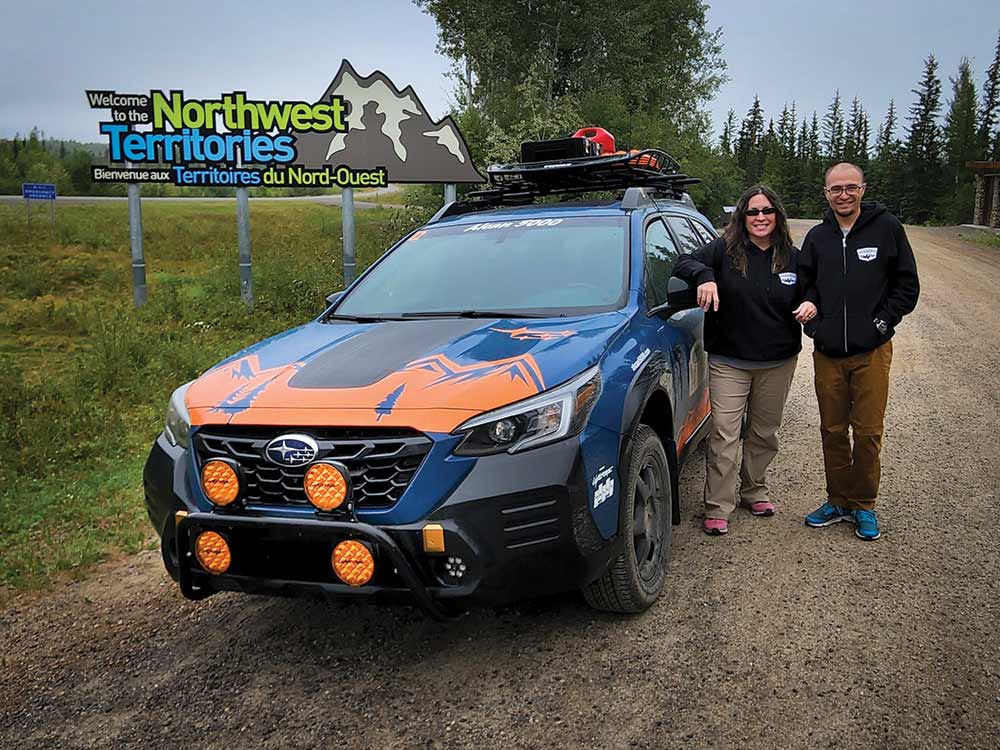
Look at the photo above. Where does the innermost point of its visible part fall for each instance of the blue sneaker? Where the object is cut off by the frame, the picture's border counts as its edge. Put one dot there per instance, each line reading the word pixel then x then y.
pixel 827 514
pixel 866 525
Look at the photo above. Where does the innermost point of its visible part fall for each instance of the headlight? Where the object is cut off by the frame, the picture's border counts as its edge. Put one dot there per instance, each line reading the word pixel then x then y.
pixel 178 422
pixel 541 419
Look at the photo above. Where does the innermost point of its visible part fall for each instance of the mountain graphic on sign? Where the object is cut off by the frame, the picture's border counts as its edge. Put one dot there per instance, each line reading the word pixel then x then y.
pixel 388 128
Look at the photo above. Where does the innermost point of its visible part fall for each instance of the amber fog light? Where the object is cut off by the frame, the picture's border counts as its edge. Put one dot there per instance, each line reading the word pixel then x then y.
pixel 326 486
pixel 212 552
pixel 220 482
pixel 353 563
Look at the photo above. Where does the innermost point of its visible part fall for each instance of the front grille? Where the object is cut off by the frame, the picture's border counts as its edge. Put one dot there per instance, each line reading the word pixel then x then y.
pixel 381 462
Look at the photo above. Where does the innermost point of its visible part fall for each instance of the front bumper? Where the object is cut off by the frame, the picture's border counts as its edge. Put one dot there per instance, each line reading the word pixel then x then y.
pixel 520 525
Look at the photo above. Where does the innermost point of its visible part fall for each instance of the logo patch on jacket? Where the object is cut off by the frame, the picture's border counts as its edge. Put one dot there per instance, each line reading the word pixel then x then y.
pixel 867 253
pixel 788 279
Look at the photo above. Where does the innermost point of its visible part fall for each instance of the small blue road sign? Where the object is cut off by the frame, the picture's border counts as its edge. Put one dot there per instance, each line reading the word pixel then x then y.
pixel 38 191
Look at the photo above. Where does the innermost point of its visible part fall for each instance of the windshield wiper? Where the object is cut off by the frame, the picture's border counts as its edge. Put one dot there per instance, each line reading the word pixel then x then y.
pixel 358 318
pixel 474 314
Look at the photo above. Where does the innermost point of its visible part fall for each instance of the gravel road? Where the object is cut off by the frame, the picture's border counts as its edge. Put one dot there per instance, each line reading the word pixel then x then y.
pixel 777 636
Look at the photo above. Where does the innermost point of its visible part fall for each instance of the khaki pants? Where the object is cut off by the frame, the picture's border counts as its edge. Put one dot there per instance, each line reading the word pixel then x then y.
pixel 852 392
pixel 761 394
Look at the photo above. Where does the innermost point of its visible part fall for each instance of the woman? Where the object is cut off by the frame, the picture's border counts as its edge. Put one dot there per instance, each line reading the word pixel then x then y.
pixel 748 286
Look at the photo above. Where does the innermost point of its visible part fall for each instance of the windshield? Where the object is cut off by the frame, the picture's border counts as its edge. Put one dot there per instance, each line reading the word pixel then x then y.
pixel 556 266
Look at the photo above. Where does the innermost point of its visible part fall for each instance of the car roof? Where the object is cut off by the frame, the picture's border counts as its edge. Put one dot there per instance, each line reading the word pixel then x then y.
pixel 604 207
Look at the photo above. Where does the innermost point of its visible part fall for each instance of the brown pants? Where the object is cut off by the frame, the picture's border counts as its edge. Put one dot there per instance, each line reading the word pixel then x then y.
pixel 761 394
pixel 852 392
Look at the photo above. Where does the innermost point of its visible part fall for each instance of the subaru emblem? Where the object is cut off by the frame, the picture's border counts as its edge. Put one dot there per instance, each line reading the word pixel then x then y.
pixel 291 450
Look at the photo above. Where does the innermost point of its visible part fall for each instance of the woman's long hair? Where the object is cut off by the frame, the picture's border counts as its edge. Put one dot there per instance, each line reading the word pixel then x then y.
pixel 738 238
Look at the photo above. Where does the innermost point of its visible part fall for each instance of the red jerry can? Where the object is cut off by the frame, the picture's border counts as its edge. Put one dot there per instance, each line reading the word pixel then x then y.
pixel 600 136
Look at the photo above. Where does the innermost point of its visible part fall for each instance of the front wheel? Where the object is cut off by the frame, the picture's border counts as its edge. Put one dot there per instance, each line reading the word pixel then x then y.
pixel 634 579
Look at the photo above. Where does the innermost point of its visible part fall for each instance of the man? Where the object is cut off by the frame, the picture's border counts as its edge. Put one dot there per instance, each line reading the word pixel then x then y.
pixel 860 278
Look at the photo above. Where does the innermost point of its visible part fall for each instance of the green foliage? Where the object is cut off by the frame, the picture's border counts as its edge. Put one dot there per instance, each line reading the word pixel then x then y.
pixel 749 144
pixel 961 145
pixel 534 70
pixel 857 136
pixel 987 137
pixel 833 131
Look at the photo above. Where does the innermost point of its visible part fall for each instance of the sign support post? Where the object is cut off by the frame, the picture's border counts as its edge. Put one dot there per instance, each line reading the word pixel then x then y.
pixel 243 235
pixel 135 242
pixel 347 217
pixel 450 193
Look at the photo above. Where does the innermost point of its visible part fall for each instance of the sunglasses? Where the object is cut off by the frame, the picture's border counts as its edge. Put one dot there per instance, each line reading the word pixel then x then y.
pixel 766 211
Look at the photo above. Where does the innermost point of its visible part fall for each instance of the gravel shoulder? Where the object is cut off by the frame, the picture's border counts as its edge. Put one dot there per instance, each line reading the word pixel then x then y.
pixel 776 636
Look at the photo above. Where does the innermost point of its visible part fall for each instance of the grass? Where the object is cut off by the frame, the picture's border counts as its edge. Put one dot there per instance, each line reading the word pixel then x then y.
pixel 85 377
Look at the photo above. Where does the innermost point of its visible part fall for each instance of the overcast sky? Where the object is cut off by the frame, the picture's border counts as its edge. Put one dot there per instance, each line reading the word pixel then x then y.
pixel 51 51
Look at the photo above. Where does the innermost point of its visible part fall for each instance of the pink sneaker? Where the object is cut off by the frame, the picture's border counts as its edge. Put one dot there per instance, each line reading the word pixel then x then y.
pixel 762 508
pixel 716 526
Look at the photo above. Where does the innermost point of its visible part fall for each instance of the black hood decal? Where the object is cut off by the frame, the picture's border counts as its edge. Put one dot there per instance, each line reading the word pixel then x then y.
pixel 381 350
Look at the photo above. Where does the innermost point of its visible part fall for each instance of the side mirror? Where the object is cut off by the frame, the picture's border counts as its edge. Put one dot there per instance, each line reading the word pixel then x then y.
pixel 331 299
pixel 680 295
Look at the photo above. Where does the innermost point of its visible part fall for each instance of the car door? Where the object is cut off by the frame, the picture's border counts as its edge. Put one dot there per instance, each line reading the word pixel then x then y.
pixel 688 238
pixel 679 337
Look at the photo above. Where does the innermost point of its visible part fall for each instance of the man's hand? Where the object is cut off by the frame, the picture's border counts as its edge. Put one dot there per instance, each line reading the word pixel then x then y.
pixel 803 313
pixel 708 296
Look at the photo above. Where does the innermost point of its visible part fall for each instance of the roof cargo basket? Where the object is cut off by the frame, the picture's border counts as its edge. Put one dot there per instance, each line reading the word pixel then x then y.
pixel 523 183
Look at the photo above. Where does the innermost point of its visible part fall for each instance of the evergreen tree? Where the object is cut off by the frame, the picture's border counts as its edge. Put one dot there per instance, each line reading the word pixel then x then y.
pixel 809 160
pixel 771 153
pixel 802 145
pixel 923 148
pixel 961 144
pixel 886 177
pixel 988 141
pixel 728 130
pixel 886 132
pixel 783 172
pixel 748 144
pixel 833 131
pixel 857 136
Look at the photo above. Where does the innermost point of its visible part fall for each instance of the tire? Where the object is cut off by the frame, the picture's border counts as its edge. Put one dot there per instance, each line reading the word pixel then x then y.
pixel 633 580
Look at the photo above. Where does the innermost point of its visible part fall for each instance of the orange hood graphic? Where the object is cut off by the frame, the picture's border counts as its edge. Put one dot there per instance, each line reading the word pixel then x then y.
pixel 426 375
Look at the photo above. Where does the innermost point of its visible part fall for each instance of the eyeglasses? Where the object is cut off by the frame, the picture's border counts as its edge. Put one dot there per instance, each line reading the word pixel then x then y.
pixel 837 190
pixel 766 211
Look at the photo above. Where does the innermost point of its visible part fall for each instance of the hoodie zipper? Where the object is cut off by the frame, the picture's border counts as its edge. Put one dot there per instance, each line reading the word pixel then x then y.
pixel 845 293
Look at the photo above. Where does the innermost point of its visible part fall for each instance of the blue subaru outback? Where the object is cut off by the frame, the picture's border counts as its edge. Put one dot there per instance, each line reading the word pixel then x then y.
pixel 496 409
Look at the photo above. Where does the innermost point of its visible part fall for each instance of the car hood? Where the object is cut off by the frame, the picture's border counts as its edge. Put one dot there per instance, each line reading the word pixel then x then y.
pixel 429 375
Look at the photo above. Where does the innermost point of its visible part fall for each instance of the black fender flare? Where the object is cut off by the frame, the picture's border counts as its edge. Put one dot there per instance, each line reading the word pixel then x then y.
pixel 653 380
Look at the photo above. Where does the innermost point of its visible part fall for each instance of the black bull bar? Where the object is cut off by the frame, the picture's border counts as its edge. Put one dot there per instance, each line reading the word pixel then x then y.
pixel 191 524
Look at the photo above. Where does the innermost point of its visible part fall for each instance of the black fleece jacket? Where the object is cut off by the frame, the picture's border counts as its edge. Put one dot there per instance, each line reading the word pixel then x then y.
pixel 854 281
pixel 755 320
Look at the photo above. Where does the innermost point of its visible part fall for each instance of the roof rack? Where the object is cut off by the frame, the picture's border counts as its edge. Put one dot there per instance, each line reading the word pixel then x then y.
pixel 520 184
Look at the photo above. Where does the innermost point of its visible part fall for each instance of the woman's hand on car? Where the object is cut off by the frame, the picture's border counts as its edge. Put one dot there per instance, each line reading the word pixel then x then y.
pixel 708 296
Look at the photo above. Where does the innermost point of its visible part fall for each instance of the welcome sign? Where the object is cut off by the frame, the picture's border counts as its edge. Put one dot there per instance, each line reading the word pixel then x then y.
pixel 363 132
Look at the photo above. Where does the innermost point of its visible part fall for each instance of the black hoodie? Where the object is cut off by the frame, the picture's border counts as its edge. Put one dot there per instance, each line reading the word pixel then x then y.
pixel 755 320
pixel 868 275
